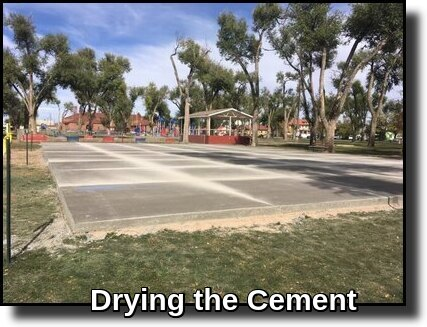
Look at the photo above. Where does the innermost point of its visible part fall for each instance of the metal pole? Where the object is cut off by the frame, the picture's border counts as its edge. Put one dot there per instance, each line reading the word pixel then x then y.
pixel 8 229
pixel 26 145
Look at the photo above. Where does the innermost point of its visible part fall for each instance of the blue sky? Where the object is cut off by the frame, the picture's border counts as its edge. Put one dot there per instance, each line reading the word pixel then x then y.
pixel 144 33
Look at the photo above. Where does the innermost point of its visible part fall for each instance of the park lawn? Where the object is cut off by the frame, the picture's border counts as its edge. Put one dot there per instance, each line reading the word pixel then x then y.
pixel 360 251
pixel 382 148
pixel 34 198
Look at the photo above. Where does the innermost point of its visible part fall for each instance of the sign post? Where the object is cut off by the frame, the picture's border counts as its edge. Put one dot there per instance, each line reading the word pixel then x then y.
pixel 7 140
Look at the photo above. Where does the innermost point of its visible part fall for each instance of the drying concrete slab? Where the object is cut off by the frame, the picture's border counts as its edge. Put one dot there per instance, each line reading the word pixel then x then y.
pixel 108 186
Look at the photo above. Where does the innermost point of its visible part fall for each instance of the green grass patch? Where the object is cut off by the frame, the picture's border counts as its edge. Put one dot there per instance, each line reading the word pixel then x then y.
pixel 316 255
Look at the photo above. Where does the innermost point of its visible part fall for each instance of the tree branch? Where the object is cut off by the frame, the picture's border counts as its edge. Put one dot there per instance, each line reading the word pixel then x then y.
pixel 176 71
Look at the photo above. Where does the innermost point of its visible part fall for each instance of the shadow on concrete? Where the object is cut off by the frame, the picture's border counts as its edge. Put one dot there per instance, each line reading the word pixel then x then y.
pixel 340 176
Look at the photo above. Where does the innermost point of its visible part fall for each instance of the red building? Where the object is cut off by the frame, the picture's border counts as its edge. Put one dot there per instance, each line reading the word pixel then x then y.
pixel 71 123
pixel 262 130
pixel 138 120
pixel 303 127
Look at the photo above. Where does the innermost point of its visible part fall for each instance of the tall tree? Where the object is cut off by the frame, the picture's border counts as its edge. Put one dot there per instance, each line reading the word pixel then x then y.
pixel 193 56
pixel 290 103
pixel 30 70
pixel 308 33
pixel 123 109
pixel 79 72
pixel 379 36
pixel 241 47
pixel 112 87
pixel 383 75
pixel 90 80
pixel 356 109
pixel 214 79
pixel 309 36
pixel 117 105
pixel 108 105
pixel 154 99
pixel 268 105
pixel 237 96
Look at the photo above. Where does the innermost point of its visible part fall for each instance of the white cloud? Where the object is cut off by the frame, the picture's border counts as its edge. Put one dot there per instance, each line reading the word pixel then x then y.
pixel 7 42
pixel 149 55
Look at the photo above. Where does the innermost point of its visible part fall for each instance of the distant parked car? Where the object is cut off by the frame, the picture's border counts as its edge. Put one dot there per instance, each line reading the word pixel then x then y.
pixel 305 136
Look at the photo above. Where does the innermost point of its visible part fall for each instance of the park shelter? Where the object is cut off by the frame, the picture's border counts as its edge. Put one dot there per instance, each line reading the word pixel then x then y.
pixel 223 134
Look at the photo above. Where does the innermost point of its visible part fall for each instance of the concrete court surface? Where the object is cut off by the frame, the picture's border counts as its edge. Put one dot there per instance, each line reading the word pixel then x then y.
pixel 113 185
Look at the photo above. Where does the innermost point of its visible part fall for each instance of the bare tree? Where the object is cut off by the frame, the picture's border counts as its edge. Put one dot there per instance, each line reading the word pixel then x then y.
pixel 192 55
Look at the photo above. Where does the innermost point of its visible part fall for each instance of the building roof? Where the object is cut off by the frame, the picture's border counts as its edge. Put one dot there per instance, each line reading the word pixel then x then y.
pixel 74 118
pixel 135 119
pixel 219 113
pixel 301 122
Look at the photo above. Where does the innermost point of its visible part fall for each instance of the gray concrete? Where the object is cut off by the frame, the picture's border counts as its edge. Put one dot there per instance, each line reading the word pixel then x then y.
pixel 120 185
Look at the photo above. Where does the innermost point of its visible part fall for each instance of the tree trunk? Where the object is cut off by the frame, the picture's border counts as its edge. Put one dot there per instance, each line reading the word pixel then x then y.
pixel 255 128
pixel 285 128
pixel 316 127
pixel 312 134
pixel 90 119
pixel 151 124
pixel 31 106
pixel 186 120
pixel 354 133
pixel 80 122
pixel 374 120
pixel 362 130
pixel 269 126
pixel 329 138
pixel 33 123
pixel 331 123
pixel 26 119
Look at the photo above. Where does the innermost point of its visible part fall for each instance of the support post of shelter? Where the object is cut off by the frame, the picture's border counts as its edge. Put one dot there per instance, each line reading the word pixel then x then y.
pixel 221 114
